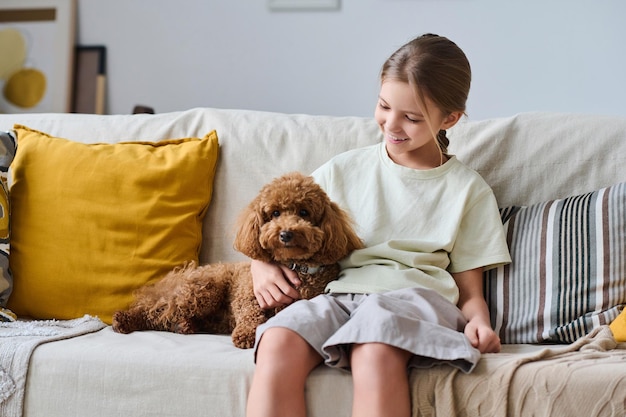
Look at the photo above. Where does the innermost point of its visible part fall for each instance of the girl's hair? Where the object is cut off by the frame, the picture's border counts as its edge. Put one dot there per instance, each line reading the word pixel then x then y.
pixel 436 68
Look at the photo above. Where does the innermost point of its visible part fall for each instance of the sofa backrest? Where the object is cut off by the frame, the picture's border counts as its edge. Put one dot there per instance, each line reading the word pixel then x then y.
pixel 533 157
pixel 526 158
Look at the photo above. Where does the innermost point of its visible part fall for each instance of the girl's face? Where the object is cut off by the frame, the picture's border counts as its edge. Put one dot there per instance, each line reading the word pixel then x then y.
pixel 408 136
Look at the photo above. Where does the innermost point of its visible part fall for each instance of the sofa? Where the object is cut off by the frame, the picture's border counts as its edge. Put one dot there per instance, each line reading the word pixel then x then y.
pixel 101 204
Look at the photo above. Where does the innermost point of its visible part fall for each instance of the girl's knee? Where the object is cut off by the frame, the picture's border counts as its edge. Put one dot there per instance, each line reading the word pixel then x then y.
pixel 381 369
pixel 284 347
pixel 378 355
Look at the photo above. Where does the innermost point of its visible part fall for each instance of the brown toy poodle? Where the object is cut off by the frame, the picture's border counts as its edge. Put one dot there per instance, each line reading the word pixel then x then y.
pixel 293 222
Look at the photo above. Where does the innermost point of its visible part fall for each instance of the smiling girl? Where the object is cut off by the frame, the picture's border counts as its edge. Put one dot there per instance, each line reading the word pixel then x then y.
pixel 412 298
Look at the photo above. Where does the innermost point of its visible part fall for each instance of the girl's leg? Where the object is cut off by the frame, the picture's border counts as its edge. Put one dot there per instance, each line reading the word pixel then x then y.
pixel 283 362
pixel 381 382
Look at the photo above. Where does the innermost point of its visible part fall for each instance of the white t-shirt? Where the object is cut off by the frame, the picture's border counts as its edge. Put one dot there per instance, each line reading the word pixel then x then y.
pixel 417 225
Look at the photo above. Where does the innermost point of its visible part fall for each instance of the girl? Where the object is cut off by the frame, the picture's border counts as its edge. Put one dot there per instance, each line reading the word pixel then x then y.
pixel 413 297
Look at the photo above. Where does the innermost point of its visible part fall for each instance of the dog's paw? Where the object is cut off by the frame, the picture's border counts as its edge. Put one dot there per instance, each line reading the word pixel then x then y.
pixel 121 323
pixel 184 327
pixel 243 339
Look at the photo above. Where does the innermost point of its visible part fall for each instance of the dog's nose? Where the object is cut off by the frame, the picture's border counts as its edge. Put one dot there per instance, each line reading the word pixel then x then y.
pixel 286 236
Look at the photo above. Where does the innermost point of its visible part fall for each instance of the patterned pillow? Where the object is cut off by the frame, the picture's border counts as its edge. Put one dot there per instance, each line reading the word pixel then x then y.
pixel 568 273
pixel 7 152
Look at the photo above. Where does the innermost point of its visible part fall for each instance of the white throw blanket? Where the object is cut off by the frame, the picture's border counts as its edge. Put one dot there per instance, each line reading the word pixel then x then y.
pixel 18 340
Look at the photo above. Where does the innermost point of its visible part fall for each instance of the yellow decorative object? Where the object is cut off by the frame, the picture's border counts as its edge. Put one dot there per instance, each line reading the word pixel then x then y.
pixel 25 88
pixel 92 223
pixel 618 327
pixel 13 52
pixel 4 210
pixel 7 315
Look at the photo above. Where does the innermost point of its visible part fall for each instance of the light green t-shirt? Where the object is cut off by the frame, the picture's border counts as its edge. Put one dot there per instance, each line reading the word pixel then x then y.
pixel 417 225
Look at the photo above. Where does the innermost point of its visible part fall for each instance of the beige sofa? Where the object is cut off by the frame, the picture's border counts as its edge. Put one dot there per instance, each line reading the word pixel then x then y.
pixel 529 160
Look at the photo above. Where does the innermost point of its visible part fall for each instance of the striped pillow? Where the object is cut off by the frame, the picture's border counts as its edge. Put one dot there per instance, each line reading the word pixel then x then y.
pixel 7 152
pixel 568 273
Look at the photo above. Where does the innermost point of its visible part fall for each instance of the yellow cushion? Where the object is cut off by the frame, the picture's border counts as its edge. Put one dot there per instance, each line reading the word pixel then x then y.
pixel 618 327
pixel 93 222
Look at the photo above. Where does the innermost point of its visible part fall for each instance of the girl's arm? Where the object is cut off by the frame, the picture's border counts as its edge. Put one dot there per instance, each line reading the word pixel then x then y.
pixel 271 284
pixel 473 306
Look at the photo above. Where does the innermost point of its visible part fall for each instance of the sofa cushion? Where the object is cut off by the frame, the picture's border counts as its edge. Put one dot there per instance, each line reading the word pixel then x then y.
pixel 567 274
pixel 618 327
pixel 7 152
pixel 93 222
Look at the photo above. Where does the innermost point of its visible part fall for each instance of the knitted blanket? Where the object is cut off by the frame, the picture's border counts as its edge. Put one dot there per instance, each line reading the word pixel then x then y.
pixel 18 340
pixel 532 383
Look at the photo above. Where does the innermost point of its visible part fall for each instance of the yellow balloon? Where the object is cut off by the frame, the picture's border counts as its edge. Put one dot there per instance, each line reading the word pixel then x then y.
pixel 12 51
pixel 25 88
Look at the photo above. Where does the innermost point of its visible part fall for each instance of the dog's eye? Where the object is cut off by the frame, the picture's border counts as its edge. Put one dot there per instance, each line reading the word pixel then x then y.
pixel 276 213
pixel 303 213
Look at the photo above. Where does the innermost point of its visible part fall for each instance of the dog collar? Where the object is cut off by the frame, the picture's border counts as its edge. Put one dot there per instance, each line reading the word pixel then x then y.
pixel 303 269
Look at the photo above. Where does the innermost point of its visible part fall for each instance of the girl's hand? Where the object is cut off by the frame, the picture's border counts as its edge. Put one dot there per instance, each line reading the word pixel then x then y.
pixel 482 337
pixel 271 284
pixel 473 306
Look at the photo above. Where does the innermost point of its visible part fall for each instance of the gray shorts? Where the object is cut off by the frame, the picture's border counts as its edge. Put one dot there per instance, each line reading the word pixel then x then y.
pixel 414 319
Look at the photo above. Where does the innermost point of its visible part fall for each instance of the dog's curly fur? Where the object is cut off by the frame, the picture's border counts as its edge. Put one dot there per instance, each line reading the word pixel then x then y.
pixel 293 222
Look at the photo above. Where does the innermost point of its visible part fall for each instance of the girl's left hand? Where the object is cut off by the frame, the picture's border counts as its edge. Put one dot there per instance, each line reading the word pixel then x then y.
pixel 472 303
pixel 482 337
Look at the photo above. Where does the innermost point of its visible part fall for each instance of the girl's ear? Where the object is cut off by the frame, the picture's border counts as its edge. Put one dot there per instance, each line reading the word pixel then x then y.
pixel 248 232
pixel 451 119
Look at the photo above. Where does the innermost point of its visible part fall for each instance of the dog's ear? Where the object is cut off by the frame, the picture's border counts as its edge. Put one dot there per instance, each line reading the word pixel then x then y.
pixel 248 232
pixel 340 237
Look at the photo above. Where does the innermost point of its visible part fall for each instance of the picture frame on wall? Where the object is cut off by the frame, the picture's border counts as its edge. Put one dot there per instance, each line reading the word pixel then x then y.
pixel 304 4
pixel 37 50
pixel 89 90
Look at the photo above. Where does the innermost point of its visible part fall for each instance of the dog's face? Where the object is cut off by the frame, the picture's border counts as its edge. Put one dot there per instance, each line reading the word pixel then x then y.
pixel 292 211
pixel 293 219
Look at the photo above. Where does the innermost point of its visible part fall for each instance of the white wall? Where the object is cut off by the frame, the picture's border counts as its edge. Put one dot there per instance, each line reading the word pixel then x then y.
pixel 557 55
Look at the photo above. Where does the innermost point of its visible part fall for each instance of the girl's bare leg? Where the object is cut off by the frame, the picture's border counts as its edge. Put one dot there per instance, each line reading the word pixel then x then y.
pixel 284 360
pixel 381 382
